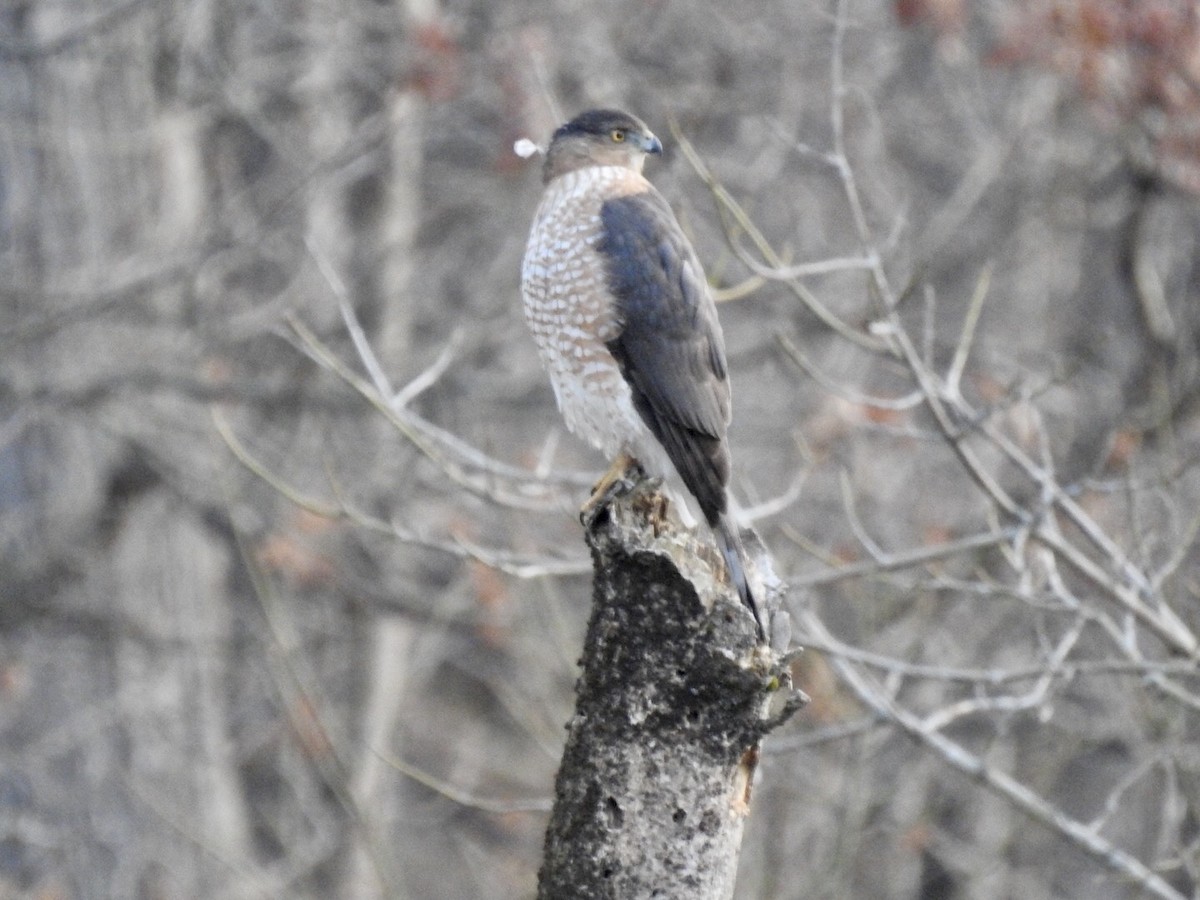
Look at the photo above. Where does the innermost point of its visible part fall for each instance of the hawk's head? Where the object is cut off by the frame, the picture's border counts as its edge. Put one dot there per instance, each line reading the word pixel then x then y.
pixel 599 137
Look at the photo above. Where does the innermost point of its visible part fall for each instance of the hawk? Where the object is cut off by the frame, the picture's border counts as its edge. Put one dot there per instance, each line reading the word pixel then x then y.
pixel 624 321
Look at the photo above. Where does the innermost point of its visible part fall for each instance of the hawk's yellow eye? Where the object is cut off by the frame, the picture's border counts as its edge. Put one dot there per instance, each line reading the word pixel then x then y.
pixel 618 135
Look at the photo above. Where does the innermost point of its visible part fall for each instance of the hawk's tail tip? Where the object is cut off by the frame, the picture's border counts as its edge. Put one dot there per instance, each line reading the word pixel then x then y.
pixel 734 553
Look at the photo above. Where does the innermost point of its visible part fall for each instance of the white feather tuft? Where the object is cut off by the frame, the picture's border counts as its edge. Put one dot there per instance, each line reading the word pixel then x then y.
pixel 525 148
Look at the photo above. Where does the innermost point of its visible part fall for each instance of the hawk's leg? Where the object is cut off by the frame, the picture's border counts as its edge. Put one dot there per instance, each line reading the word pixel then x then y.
pixel 622 476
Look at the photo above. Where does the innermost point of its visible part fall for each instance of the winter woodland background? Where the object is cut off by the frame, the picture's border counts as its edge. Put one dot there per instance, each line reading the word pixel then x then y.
pixel 291 586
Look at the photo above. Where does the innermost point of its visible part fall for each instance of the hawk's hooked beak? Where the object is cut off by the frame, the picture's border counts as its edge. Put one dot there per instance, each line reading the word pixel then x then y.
pixel 649 143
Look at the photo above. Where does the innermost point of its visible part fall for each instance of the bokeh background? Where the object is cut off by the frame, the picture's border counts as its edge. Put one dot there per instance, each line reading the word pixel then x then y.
pixel 263 637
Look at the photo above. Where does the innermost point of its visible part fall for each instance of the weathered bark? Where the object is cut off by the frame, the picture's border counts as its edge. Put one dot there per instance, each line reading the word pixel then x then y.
pixel 674 698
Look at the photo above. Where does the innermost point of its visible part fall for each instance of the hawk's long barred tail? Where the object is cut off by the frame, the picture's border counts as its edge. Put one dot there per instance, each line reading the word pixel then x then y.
pixel 734 553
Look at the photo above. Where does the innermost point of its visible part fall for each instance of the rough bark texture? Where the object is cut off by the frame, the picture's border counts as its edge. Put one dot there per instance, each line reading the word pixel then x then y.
pixel 674 698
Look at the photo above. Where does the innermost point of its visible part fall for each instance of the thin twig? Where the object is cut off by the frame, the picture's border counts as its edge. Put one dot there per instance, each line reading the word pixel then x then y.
pixel 461 797
pixel 528 491
pixel 891 562
pixel 841 160
pixel 1067 671
pixel 516 564
pixel 856 525
pixel 774 505
pixel 809 269
pixel 729 205
pixel 967 337
pixel 1013 791
pixel 899 404
pixel 298 693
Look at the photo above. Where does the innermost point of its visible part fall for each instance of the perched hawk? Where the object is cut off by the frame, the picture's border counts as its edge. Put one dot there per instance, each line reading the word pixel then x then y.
pixel 622 315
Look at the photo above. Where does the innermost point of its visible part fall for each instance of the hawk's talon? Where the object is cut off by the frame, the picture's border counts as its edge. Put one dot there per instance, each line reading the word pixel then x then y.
pixel 622 476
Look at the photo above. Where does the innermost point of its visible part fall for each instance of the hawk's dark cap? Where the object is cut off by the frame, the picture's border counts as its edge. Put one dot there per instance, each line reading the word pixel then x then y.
pixel 601 122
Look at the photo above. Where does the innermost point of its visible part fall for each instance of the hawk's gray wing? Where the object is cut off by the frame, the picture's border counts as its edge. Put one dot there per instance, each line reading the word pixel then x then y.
pixel 670 348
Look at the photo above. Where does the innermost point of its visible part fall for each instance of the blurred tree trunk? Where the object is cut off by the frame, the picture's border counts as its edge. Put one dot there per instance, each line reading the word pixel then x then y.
pixel 671 706
pixel 98 193
pixel 363 223
pixel 173 668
